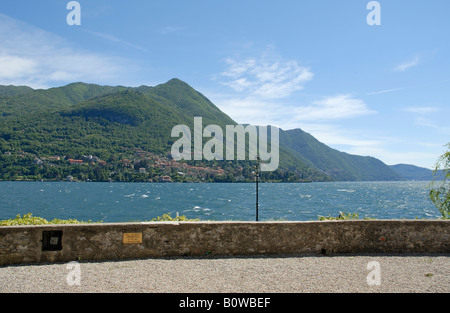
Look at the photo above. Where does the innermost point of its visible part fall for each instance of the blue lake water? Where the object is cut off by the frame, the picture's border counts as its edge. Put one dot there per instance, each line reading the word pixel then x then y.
pixel 126 202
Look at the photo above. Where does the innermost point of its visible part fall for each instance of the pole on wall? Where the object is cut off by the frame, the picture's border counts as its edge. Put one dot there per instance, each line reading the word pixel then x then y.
pixel 257 187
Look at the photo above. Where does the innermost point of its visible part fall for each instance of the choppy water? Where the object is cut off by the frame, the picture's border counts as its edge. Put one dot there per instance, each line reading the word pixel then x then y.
pixel 125 202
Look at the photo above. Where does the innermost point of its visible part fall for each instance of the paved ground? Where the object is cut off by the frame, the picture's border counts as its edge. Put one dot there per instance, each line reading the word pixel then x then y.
pixel 289 274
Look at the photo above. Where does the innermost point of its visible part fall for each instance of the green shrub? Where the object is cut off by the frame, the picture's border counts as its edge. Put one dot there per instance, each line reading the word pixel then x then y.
pixel 167 218
pixel 440 192
pixel 29 219
pixel 342 216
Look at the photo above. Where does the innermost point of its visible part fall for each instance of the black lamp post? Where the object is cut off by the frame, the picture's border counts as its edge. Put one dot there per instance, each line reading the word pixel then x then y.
pixel 257 188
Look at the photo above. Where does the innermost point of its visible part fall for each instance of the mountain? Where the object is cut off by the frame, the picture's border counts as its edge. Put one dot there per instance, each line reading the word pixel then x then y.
pixel 119 124
pixel 14 90
pixel 22 100
pixel 412 172
pixel 178 95
pixel 338 165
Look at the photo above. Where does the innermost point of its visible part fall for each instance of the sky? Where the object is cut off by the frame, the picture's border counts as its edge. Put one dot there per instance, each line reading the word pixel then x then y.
pixel 380 90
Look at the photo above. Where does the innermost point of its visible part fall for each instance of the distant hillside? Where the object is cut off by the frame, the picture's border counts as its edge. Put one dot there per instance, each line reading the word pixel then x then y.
pixel 338 165
pixel 121 125
pixel 412 172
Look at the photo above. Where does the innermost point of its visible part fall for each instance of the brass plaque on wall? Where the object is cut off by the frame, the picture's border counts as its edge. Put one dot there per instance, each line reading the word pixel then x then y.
pixel 132 238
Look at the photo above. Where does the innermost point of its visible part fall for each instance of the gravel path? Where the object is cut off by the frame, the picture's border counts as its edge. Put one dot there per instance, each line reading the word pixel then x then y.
pixel 290 274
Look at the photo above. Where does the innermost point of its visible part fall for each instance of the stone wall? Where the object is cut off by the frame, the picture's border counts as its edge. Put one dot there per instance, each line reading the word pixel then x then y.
pixel 64 243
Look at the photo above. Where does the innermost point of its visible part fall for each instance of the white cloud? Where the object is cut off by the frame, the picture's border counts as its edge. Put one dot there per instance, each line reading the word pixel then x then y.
pixel 379 92
pixel 421 110
pixel 252 110
pixel 39 59
pixel 115 39
pixel 334 135
pixel 407 65
pixel 258 88
pixel 263 89
pixel 13 67
pixel 169 30
pixel 332 108
pixel 426 122
pixel 266 77
pixel 314 117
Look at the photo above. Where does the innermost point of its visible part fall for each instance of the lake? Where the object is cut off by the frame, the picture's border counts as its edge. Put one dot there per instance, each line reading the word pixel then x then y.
pixel 126 202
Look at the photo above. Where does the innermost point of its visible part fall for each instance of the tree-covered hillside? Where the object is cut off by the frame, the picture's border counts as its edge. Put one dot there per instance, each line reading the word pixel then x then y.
pixel 412 172
pixel 338 165
pixel 91 132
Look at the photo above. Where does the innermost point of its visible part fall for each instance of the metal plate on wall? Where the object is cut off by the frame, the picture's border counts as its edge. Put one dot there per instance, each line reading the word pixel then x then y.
pixel 132 238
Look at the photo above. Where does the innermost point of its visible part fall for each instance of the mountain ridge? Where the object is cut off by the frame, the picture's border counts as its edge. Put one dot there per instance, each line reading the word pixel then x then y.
pixel 81 118
pixel 339 165
pixel 415 173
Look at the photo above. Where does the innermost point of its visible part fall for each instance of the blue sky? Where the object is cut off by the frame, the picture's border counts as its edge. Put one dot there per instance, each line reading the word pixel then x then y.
pixel 381 90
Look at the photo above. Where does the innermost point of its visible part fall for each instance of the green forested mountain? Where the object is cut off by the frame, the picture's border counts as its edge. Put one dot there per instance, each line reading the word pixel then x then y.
pixel 181 97
pixel 122 133
pixel 23 100
pixel 412 172
pixel 340 166
pixel 14 90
